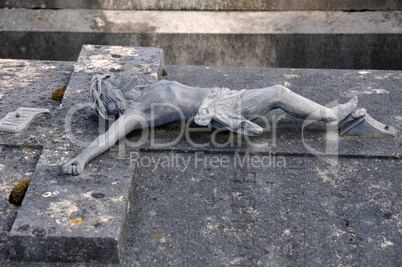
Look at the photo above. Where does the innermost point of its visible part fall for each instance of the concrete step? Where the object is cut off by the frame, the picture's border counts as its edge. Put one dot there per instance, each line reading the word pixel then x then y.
pixel 213 5
pixel 346 40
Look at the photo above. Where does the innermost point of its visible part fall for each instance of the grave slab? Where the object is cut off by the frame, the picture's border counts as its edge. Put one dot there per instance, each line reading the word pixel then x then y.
pixel 30 84
pixel 226 211
pixel 79 219
pixel 223 206
pixel 291 208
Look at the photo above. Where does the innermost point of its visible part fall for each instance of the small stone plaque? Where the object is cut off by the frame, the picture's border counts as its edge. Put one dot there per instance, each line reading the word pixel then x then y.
pixel 19 120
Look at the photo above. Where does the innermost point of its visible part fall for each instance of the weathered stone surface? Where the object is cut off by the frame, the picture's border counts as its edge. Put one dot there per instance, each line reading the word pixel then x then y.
pixel 293 208
pixel 240 5
pixel 78 219
pixel 24 83
pixel 295 211
pixel 357 40
pixel 220 212
pixel 17 163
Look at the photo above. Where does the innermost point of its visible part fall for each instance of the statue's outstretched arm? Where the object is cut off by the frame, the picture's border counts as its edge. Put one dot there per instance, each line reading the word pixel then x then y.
pixel 121 127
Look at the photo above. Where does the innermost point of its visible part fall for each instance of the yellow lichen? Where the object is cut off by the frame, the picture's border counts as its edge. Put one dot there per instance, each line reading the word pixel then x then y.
pixel 58 94
pixel 75 221
pixel 18 193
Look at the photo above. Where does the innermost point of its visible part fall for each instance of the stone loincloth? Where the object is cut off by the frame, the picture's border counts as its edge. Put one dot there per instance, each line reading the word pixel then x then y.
pixel 222 108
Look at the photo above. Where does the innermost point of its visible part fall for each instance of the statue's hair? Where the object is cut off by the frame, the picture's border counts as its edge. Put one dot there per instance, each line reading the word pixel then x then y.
pixel 104 94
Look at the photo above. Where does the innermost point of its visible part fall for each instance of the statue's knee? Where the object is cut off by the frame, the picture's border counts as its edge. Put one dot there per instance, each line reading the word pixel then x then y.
pixel 281 92
pixel 280 89
pixel 163 84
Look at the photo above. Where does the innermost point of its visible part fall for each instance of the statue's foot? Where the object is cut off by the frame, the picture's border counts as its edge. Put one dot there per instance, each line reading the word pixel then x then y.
pixel 249 128
pixel 342 111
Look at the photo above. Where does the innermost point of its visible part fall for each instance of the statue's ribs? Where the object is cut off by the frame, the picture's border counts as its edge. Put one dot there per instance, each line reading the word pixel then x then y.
pixel 19 120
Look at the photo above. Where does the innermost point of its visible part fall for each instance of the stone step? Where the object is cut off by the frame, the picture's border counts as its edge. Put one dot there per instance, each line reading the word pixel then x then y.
pixel 213 5
pixel 356 40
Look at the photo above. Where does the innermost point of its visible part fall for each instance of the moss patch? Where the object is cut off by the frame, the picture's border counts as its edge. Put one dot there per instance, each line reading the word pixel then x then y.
pixel 164 72
pixel 58 94
pixel 18 193
pixel 157 236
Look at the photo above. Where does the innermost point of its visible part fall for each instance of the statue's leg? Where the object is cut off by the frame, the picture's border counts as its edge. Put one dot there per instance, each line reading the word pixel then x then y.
pixel 257 102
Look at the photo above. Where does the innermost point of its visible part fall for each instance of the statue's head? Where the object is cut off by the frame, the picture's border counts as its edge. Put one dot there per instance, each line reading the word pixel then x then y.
pixel 108 98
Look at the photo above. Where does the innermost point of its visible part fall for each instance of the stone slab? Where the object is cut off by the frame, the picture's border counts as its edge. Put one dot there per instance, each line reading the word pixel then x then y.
pixel 78 219
pixel 358 40
pixel 242 5
pixel 300 213
pixel 120 21
pixel 24 83
pixel 223 210
pixel 30 83
pixel 17 163
pixel 309 211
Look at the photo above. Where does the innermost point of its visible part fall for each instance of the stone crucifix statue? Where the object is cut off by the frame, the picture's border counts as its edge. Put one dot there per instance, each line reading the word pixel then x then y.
pixel 221 107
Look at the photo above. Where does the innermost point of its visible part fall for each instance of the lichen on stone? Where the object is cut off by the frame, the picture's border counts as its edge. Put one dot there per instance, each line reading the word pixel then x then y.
pixel 58 94
pixel 18 192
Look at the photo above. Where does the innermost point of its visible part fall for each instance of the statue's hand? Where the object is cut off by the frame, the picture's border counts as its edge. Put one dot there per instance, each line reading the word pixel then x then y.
pixel 74 166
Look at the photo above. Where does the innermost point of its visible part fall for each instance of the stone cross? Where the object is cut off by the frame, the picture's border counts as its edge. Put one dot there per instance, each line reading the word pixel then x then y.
pixel 66 218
